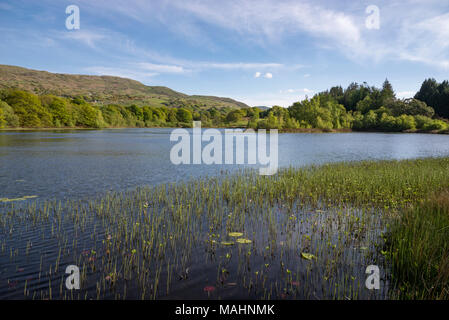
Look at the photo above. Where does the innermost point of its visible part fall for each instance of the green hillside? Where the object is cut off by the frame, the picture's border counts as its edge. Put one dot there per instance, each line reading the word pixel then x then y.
pixel 102 90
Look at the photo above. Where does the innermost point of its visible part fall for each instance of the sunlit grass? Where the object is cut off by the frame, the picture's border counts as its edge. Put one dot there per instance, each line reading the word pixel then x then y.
pixel 419 250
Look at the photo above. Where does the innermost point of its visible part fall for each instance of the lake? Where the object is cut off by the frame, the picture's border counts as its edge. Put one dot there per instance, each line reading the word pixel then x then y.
pixel 86 163
pixel 164 242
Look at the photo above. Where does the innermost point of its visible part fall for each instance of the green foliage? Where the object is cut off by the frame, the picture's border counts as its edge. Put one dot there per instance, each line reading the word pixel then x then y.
pixel 89 117
pixel 411 107
pixel 116 116
pixel 10 118
pixel 29 109
pixel 321 113
pixel 184 115
pixel 234 116
pixel 358 107
pixel 2 119
pixel 436 95
pixel 59 109
pixel 136 111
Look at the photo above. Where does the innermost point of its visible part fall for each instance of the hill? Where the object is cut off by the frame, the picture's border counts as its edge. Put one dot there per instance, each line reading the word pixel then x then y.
pixel 101 90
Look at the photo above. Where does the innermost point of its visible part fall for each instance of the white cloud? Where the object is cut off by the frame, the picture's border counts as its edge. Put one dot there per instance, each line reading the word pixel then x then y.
pixel 411 30
pixel 272 19
pixel 161 68
pixel 90 38
pixel 303 91
pixel 405 94
pixel 230 66
pixel 268 75
pixel 121 72
pixel 426 41
pixel 269 99
pixel 257 75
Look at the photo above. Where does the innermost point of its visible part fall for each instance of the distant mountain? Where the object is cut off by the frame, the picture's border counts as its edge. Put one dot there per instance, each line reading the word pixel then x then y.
pixel 104 89
pixel 262 107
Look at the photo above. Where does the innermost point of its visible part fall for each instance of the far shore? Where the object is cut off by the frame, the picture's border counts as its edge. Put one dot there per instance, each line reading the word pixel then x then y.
pixel 298 130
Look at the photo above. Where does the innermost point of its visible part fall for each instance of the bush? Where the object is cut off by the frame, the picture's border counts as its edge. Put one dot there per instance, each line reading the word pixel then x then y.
pixel 28 108
pixel 89 117
pixel 2 119
pixel 184 115
pixel 234 116
pixel 10 118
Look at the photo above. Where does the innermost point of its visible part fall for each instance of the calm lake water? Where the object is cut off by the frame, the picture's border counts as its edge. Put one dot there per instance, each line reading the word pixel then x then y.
pixel 84 163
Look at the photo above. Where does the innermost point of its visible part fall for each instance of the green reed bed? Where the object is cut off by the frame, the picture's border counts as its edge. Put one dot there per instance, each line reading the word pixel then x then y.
pixel 419 250
pixel 306 233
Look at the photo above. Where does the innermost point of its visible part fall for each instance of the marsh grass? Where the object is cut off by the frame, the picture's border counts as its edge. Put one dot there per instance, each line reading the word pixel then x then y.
pixel 419 250
pixel 305 233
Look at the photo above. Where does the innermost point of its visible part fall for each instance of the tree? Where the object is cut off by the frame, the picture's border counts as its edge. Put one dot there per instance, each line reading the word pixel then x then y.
pixel 2 119
pixel 112 116
pixel 411 107
pixel 136 111
pixel 365 105
pixel 28 108
pixel 436 96
pixel 58 109
pixel 89 117
pixel 184 115
pixel 370 120
pixel 10 118
pixel 234 116
pixel 172 116
pixel 428 92
pixel 387 92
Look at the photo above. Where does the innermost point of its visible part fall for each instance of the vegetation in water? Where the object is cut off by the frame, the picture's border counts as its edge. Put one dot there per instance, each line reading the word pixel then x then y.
pixel 418 245
pixel 304 233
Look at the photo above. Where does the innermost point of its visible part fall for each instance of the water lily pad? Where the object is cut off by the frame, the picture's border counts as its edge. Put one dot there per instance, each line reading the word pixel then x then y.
pixel 235 234
pixel 227 243
pixel 307 256
pixel 243 240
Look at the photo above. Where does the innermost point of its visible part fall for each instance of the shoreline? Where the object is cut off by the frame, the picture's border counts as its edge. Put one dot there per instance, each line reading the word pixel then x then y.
pixel 298 130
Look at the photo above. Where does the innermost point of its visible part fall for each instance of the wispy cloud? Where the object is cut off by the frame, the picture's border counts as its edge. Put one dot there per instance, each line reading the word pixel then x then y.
pixel 121 72
pixel 304 91
pixel 161 68
pixel 90 38
pixel 410 30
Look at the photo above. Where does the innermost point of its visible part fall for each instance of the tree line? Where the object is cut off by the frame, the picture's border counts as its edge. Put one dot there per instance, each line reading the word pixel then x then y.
pixel 22 109
pixel 358 107
pixel 364 108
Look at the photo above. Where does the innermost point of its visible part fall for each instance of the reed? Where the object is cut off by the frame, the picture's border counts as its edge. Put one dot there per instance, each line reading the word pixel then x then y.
pixel 418 246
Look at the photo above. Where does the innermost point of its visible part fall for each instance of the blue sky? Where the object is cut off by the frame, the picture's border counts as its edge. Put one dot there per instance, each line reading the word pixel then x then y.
pixel 260 52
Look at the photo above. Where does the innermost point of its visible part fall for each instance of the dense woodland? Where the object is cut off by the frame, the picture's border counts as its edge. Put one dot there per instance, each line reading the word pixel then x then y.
pixel 358 107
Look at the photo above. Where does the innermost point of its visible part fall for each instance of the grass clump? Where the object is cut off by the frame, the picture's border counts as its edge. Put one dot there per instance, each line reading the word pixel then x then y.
pixel 419 244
